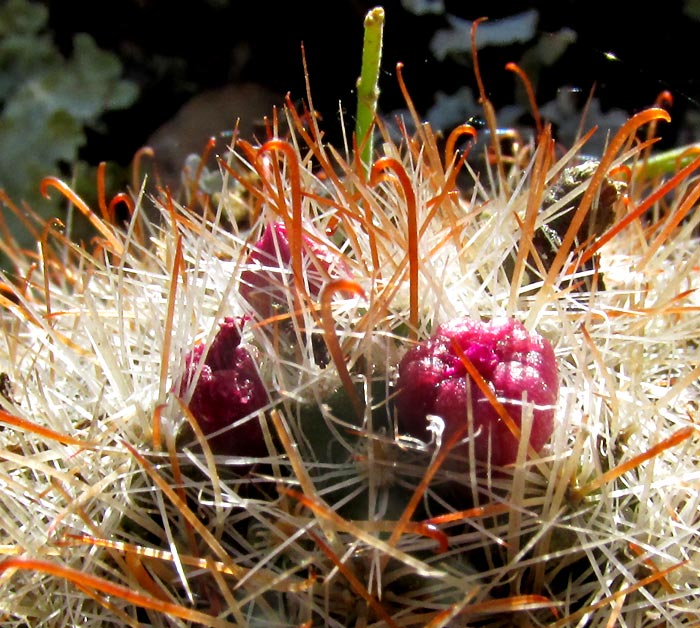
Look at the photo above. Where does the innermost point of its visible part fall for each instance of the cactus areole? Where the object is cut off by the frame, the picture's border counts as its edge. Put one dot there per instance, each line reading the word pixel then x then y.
pixel 516 365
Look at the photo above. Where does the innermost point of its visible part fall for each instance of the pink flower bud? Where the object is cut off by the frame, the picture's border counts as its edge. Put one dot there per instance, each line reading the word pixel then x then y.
pixel 264 282
pixel 433 380
pixel 228 389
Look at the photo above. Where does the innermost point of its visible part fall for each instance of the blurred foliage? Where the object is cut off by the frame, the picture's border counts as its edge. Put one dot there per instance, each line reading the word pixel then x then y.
pixel 691 8
pixel 48 101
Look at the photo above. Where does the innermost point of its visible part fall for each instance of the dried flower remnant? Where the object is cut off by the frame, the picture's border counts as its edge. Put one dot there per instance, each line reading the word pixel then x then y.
pixel 6 388
pixel 264 282
pixel 547 238
pixel 514 362
pixel 228 390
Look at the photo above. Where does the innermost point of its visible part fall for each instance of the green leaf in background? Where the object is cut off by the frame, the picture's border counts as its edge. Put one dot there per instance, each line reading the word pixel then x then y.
pixel 24 50
pixel 85 86
pixel 48 101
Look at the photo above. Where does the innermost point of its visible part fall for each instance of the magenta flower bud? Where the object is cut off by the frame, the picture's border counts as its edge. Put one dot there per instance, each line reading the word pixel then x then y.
pixel 228 389
pixel 433 380
pixel 263 283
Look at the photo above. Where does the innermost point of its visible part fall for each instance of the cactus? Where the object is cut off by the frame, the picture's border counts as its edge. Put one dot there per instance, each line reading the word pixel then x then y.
pixel 332 509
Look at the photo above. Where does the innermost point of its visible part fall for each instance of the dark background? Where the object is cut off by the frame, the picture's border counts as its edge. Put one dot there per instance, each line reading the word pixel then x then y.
pixel 175 50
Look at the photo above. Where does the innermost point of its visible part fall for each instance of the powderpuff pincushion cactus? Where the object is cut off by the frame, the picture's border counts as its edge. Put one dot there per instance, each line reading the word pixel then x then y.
pixel 110 516
pixel 518 366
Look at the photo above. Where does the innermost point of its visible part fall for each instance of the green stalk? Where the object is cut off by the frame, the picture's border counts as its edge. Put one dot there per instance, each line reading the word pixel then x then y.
pixel 667 162
pixel 367 84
